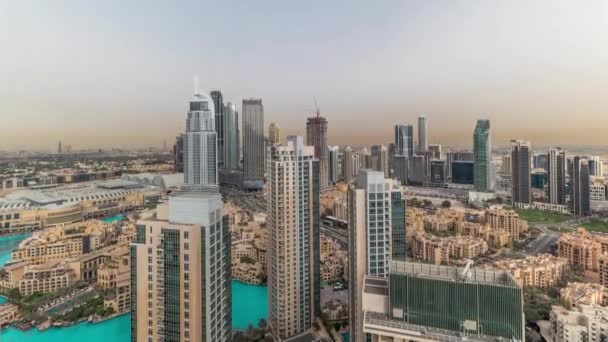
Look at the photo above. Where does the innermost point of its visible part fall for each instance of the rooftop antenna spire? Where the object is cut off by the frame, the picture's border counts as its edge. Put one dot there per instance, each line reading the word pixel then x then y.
pixel 317 108
pixel 196 91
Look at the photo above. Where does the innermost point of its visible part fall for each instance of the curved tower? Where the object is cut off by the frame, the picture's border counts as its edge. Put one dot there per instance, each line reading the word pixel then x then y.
pixel 200 145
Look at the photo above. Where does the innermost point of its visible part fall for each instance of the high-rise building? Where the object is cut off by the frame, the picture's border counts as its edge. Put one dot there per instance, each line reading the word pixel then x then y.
pixel 438 173
pixel 332 163
pixel 401 165
pixel 348 165
pixel 520 171
pixel 540 161
pixel 404 140
pixel 505 168
pixel 274 134
pixel 423 142
pixel 178 154
pixel 218 101
pixel 425 302
pixel 435 150
pixel 380 159
pixel 596 167
pixel 463 172
pixel 293 247
pixel 416 170
pixel 556 175
pixel 456 156
pixel 180 262
pixel 482 151
pixel 376 234
pixel 356 164
pixel 580 187
pixel 59 148
pixel 232 152
pixel 316 135
pixel 253 144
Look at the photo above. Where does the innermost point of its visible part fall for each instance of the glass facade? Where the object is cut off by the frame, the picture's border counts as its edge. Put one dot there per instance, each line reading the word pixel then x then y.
pixel 462 172
pixel 398 226
pixel 172 280
pixel 133 255
pixel 482 155
pixel 495 310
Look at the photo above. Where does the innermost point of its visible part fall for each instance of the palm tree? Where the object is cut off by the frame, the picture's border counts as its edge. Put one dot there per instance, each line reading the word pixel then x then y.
pixel 250 331
pixel 262 324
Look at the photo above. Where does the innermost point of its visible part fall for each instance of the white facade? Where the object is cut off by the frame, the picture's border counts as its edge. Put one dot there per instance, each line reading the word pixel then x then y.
pixel 369 234
pixel 200 145
pixel 333 170
pixel 597 192
pixel 293 246
pixel 586 323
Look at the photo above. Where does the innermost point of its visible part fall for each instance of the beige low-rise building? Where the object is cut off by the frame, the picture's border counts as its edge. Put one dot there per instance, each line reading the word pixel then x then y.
pixel 584 294
pixel 506 220
pixel 494 238
pixel 61 243
pixel 46 278
pixel 542 271
pixel 247 273
pixel 8 313
pixel 442 250
pixel 581 249
pixel 120 298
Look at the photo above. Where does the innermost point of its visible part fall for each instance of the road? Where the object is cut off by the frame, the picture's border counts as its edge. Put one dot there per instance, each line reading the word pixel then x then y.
pixel 543 242
pixel 547 237
pixel 339 235
pixel 254 202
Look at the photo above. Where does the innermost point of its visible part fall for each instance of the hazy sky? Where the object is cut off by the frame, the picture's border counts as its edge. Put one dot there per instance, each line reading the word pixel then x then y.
pixel 119 73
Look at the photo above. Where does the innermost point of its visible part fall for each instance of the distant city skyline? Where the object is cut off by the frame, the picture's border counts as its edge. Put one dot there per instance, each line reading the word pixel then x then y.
pixel 115 74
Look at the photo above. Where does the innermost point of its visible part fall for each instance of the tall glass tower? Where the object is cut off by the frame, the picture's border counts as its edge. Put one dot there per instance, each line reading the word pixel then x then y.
pixel 482 154
pixel 180 261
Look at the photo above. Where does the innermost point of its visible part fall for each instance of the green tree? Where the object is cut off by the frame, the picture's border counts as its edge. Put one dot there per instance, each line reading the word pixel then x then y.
pixel 446 204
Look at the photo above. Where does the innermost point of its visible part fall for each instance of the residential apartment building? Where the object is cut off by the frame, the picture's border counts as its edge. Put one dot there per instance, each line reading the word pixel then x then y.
pixel 542 271
pixel 293 256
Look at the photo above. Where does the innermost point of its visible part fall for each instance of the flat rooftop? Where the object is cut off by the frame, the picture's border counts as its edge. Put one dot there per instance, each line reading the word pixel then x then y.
pixel 70 194
pixel 453 273
pixel 377 286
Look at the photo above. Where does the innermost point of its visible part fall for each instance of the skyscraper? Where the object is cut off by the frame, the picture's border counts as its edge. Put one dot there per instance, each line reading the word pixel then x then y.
pixel 274 134
pixel 556 174
pixel 232 153
pixel 375 236
pixel 316 135
pixel 435 150
pixel 178 154
pixel 218 101
pixel 596 167
pixel 404 140
pixel 580 187
pixel 520 171
pixel 253 144
pixel 293 248
pixel 180 264
pixel 332 163
pixel 347 165
pixel 380 159
pixel 423 142
pixel 482 152
pixel 59 148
